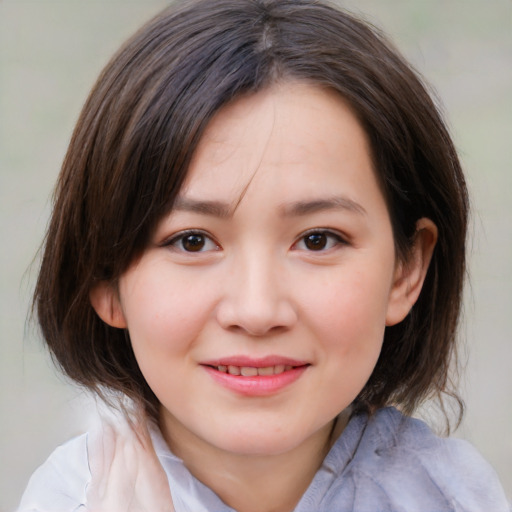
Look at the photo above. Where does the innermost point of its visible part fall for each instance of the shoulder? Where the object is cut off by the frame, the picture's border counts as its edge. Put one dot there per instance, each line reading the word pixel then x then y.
pixel 407 461
pixel 59 484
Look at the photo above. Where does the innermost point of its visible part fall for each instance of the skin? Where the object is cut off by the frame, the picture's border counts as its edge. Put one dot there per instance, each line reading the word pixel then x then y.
pixel 270 168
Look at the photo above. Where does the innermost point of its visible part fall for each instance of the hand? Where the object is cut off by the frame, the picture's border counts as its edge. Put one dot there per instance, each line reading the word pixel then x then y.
pixel 126 475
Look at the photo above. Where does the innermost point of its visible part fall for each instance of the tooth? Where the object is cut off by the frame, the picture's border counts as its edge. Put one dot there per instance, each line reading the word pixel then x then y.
pixel 222 368
pixel 287 368
pixel 233 370
pixel 248 371
pixel 268 370
pixel 279 368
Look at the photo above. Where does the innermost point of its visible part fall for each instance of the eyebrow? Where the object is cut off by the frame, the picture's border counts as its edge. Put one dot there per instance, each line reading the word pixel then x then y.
pixel 214 208
pixel 316 205
pixel 297 208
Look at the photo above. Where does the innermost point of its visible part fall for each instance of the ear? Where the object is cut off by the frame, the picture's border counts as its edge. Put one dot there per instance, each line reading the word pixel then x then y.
pixel 410 274
pixel 105 301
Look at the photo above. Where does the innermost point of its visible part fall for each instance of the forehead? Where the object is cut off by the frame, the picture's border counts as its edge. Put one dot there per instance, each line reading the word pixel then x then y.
pixel 297 139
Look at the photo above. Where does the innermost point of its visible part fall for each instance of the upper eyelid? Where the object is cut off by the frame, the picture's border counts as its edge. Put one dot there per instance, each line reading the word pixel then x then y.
pixel 168 240
pixel 340 240
pixel 327 231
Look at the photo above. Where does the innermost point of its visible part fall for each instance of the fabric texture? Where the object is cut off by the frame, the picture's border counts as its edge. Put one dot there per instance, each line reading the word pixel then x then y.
pixel 385 463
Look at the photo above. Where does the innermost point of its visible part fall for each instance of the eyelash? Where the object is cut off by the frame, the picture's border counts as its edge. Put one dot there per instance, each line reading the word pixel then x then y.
pixel 333 237
pixel 182 235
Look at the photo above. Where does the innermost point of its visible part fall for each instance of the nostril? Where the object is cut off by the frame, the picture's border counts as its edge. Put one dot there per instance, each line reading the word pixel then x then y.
pixel 256 311
pixel 255 331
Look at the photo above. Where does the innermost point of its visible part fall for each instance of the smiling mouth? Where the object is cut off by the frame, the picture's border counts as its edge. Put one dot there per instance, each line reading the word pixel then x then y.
pixel 256 378
pixel 251 371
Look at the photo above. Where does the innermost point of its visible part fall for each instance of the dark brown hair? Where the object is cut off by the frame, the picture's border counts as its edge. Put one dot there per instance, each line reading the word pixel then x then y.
pixel 138 130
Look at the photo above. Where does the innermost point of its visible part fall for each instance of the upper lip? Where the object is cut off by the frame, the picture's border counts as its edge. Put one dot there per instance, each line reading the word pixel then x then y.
pixel 254 362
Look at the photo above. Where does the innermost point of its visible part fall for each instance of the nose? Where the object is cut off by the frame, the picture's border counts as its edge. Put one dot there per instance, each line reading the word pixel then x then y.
pixel 256 298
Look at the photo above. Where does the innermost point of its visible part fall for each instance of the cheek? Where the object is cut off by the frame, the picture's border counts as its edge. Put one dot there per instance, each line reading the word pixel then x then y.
pixel 164 314
pixel 164 323
pixel 350 317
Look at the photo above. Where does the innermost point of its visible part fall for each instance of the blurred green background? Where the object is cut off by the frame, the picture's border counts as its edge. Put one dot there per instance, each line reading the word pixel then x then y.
pixel 50 54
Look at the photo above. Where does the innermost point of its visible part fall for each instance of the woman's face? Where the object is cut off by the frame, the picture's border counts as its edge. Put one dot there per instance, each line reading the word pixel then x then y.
pixel 257 313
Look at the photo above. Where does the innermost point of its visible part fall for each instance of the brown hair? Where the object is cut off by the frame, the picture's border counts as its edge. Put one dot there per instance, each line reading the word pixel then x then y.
pixel 138 130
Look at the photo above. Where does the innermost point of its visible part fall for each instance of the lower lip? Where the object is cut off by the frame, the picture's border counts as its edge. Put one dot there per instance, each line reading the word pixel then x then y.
pixel 259 385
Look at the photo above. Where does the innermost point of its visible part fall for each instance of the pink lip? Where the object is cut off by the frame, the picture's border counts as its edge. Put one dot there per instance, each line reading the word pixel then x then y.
pixel 259 385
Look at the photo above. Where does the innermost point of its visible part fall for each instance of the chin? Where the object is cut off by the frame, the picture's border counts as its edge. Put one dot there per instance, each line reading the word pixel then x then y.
pixel 261 446
pixel 258 440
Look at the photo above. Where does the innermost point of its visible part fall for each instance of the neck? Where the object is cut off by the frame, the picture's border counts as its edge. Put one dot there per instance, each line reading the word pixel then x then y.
pixel 256 483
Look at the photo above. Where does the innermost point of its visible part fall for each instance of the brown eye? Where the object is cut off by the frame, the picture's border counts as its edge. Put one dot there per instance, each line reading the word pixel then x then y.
pixel 319 240
pixel 193 243
pixel 316 241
